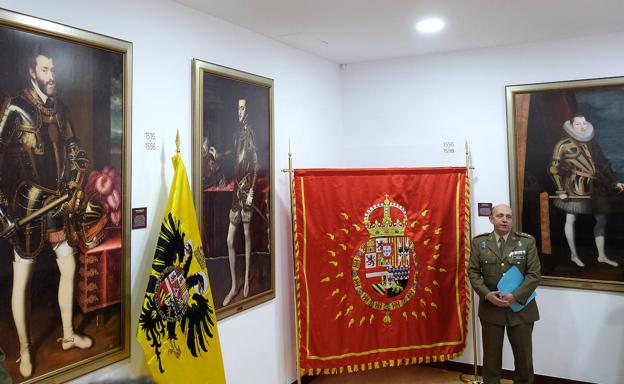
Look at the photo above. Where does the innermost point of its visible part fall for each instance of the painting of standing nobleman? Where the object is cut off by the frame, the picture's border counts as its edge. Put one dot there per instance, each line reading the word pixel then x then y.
pixel 63 132
pixel 232 163
pixel 567 178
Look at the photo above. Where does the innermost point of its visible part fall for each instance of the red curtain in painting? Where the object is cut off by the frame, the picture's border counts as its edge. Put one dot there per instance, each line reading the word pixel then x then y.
pixel 381 267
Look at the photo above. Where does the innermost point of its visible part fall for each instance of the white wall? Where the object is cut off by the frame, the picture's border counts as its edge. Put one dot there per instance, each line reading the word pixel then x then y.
pixel 412 105
pixel 258 344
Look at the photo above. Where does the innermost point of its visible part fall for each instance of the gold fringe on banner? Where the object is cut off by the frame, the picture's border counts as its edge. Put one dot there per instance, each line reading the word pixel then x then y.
pixel 467 246
pixel 378 364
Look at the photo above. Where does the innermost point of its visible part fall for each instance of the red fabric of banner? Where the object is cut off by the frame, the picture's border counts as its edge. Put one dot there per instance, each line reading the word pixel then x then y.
pixel 381 258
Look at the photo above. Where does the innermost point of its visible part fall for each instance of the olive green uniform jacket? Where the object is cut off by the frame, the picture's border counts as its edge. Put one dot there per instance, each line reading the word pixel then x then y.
pixel 487 266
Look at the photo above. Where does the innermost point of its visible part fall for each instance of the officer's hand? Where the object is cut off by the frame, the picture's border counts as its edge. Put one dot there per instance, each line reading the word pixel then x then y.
pixel 494 298
pixel 619 187
pixel 563 196
pixel 508 297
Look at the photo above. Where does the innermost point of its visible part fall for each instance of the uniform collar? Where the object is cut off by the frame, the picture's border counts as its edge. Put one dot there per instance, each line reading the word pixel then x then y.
pixel 496 236
pixel 509 244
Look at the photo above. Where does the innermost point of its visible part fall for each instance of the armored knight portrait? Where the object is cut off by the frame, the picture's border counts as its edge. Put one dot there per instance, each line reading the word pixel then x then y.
pixel 41 198
pixel 245 176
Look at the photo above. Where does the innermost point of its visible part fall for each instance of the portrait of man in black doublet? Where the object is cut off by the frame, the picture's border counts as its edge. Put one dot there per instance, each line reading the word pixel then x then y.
pixel 236 187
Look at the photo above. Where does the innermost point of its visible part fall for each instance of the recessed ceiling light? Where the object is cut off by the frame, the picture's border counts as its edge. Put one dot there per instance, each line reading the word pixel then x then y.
pixel 430 25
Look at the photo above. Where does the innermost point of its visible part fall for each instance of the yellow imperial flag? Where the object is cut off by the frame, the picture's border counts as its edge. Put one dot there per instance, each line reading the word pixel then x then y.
pixel 177 326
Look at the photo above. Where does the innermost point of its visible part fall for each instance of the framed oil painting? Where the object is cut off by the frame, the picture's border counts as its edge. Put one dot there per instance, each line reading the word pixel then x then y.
pixel 64 199
pixel 233 183
pixel 567 178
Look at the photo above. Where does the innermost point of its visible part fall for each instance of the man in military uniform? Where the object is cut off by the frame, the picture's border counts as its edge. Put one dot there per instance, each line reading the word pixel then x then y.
pixel 492 255
pixel 41 165
pixel 583 177
pixel 245 174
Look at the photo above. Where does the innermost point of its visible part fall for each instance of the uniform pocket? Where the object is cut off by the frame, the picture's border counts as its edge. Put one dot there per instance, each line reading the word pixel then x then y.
pixel 489 265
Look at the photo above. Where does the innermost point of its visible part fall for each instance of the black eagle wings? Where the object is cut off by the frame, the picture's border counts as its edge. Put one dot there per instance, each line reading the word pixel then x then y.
pixel 175 298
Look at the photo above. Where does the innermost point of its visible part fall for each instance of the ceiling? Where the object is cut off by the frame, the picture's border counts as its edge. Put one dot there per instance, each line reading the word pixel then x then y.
pixel 348 31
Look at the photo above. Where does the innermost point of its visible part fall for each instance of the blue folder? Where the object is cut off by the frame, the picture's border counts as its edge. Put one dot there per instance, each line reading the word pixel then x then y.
pixel 509 282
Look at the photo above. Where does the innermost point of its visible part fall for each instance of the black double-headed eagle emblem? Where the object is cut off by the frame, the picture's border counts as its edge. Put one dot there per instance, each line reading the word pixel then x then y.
pixel 175 298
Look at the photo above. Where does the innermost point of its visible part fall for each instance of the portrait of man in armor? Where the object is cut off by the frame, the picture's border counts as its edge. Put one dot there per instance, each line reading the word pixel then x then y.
pixel 59 202
pixel 569 172
pixel 42 170
pixel 235 137
pixel 245 174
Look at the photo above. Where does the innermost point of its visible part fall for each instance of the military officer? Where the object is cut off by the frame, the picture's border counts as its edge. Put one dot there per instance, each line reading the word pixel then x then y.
pixel 492 255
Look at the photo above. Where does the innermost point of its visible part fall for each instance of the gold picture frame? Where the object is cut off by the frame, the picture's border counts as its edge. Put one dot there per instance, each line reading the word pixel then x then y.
pixel 233 183
pixel 83 119
pixel 565 168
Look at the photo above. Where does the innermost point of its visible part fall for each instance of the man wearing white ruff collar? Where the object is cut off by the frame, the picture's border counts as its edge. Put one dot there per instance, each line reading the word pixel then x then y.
pixel 583 177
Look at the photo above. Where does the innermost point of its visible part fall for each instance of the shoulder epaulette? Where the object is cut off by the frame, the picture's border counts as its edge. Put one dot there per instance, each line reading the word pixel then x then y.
pixel 483 234
pixel 522 234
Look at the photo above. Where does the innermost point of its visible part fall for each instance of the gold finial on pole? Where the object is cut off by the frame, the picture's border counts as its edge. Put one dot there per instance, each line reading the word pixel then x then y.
pixel 468 157
pixel 177 141
pixel 289 169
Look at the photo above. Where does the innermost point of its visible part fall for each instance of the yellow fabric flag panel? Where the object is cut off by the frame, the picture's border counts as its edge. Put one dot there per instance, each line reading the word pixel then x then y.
pixel 177 325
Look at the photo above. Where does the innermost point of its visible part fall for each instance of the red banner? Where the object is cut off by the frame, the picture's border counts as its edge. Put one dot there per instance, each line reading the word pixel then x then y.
pixel 381 267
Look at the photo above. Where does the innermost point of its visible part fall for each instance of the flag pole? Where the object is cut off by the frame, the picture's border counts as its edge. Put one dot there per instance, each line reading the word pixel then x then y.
pixel 177 141
pixel 476 379
pixel 290 172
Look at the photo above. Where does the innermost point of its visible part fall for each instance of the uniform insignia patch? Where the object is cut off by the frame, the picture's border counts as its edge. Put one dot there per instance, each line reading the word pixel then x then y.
pixel 483 244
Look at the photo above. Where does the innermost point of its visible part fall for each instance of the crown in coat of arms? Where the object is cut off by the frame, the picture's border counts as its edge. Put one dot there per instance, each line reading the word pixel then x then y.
pixel 388 227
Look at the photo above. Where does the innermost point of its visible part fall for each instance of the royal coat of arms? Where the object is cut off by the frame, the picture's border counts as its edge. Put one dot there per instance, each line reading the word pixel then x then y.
pixel 384 269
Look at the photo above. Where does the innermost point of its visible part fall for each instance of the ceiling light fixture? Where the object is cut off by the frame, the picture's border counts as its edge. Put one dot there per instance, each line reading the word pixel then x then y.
pixel 430 25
